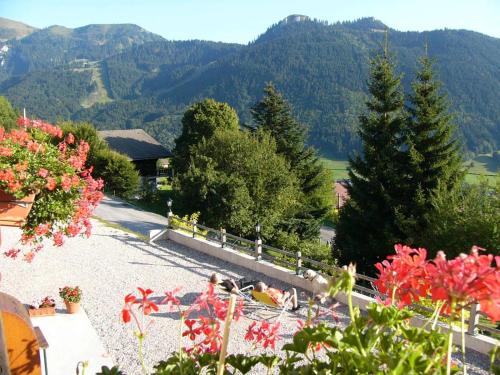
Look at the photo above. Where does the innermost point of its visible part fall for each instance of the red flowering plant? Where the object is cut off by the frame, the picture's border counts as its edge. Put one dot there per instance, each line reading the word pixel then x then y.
pixel 380 341
pixel 453 285
pixel 35 158
pixel 44 302
pixel 201 323
pixel 137 309
pixel 70 294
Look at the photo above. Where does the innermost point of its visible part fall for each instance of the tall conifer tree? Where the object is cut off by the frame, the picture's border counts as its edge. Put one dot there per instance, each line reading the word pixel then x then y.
pixel 274 115
pixel 433 157
pixel 367 228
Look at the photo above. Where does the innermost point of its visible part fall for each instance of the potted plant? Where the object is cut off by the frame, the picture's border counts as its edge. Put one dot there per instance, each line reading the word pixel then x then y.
pixel 46 307
pixel 42 170
pixel 71 297
pixel 13 211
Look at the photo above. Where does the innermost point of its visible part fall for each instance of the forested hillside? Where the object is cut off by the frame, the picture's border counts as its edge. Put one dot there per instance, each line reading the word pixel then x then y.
pixel 322 70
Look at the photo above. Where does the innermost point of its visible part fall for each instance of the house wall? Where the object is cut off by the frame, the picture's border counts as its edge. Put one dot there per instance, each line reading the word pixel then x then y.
pixel 146 167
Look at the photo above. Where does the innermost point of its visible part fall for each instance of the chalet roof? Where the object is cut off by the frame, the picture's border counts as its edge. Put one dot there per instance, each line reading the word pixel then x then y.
pixel 135 143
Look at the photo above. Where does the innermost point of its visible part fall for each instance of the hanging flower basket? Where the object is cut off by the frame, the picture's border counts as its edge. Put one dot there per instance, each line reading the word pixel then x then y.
pixel 14 211
pixel 38 158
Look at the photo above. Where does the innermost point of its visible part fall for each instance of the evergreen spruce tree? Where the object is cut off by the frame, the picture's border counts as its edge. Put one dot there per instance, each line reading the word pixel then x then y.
pixel 367 228
pixel 274 115
pixel 433 156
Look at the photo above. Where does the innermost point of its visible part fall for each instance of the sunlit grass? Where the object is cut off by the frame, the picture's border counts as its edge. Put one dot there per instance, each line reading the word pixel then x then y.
pixel 482 167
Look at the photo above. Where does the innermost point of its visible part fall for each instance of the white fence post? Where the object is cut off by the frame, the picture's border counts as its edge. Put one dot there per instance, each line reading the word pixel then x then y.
pixel 222 237
pixel 194 228
pixel 299 263
pixel 258 249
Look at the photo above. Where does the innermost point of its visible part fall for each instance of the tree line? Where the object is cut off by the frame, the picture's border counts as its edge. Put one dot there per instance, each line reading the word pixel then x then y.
pixel 407 186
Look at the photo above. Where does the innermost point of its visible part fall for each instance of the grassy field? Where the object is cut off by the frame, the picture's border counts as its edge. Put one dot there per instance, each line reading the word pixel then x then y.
pixel 482 165
pixel 337 168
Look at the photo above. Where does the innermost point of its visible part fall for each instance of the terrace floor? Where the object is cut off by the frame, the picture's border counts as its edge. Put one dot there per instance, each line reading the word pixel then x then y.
pixel 113 263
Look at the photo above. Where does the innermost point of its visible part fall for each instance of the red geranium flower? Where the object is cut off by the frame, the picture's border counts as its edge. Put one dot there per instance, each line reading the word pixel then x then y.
pixel 403 276
pixel 465 280
pixel 191 332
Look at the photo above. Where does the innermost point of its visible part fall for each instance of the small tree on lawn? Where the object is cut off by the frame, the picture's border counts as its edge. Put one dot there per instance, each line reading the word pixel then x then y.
pixel 121 177
pixel 8 115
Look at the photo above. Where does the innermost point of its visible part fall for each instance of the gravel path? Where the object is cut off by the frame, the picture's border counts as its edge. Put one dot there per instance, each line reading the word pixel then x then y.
pixel 112 263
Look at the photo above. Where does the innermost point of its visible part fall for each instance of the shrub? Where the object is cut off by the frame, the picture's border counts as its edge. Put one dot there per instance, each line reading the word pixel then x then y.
pixel 181 225
pixel 121 177
pixel 309 249
pixel 116 169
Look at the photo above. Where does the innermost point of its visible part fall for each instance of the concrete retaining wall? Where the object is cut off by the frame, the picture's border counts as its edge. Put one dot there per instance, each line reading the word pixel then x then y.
pixel 480 343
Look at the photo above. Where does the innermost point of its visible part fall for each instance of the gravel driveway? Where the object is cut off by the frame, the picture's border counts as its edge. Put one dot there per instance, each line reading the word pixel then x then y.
pixel 112 263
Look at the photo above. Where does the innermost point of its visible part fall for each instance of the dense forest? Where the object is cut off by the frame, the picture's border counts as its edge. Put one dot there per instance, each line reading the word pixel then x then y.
pixel 321 68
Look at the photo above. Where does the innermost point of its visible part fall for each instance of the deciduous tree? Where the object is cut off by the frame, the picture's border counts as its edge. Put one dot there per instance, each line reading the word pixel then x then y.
pixel 236 179
pixel 200 122
pixel 274 115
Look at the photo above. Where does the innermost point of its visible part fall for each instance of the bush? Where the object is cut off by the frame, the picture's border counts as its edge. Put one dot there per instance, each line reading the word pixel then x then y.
pixel 8 116
pixel 309 249
pixel 181 225
pixel 463 218
pixel 119 174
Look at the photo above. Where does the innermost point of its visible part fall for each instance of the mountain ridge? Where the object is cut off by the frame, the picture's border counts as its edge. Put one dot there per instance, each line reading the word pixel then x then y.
pixel 10 29
pixel 321 68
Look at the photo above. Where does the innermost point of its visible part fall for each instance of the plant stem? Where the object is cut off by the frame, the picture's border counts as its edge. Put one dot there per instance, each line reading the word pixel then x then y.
pixel 450 340
pixel 227 329
pixel 141 357
pixel 462 329
pixel 435 315
pixel 353 321
pixel 180 343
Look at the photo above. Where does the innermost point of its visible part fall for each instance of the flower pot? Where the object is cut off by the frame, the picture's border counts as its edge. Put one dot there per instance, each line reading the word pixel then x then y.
pixel 42 311
pixel 72 307
pixel 13 211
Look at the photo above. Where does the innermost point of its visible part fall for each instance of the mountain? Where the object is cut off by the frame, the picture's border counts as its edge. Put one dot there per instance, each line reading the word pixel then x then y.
pixel 91 74
pixel 14 30
pixel 58 45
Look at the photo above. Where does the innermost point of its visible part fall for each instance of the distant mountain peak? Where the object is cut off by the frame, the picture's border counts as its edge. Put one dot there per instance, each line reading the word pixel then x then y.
pixel 295 18
pixel 10 29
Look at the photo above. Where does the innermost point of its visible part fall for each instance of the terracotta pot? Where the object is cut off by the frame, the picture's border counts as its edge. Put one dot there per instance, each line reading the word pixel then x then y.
pixel 42 311
pixel 13 211
pixel 72 307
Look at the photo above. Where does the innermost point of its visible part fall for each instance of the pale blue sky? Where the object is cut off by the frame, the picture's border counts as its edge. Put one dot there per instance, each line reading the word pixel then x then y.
pixel 242 21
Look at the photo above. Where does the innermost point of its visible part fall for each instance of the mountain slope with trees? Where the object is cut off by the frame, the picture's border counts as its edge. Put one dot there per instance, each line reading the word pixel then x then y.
pixel 320 68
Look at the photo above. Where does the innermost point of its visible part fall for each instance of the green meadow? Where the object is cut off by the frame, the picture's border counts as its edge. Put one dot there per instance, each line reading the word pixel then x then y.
pixel 482 166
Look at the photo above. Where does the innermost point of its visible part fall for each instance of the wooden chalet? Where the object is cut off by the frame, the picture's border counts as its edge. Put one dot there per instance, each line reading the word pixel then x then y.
pixel 148 155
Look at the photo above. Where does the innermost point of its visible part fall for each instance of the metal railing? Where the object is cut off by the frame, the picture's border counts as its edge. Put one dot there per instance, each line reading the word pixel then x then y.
pixel 295 261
